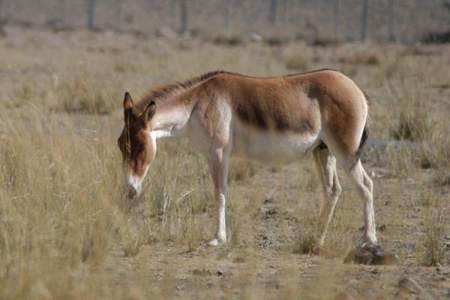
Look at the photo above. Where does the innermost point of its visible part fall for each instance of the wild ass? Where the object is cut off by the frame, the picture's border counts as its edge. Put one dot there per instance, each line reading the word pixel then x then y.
pixel 272 118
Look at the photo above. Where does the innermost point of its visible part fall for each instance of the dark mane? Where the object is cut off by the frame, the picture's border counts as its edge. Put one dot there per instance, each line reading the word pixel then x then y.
pixel 163 91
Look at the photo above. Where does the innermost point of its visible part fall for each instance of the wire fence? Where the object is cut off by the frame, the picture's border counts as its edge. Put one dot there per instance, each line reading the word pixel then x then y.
pixel 339 20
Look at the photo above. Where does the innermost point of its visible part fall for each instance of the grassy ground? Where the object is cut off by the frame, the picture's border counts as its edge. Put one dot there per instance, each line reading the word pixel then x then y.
pixel 67 232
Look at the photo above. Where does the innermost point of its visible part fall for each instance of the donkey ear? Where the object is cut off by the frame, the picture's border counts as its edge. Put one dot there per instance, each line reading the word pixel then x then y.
pixel 127 102
pixel 150 110
pixel 127 107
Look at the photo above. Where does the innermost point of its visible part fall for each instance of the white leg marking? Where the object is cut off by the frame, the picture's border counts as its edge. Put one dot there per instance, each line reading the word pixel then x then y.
pixel 222 229
pixel 326 164
pixel 219 172
pixel 365 188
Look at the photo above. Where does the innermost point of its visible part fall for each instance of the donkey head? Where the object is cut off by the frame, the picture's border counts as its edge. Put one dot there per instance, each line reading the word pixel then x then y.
pixel 136 143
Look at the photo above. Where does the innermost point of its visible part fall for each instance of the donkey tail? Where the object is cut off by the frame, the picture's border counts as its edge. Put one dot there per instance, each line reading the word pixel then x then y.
pixel 363 140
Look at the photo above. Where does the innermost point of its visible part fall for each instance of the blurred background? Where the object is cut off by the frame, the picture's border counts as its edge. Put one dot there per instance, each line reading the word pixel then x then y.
pixel 314 20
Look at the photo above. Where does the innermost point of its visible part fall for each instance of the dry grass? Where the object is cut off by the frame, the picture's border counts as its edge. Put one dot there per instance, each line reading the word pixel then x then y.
pixel 58 214
pixel 241 170
pixel 415 120
pixel 400 160
pixel 306 243
pixel 66 230
pixel 435 227
pixel 86 93
pixel 230 41
pixel 296 62
pixel 369 59
pixel 276 41
pixel 414 111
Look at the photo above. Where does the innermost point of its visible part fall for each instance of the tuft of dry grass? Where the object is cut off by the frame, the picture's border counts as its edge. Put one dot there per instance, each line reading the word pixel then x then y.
pixel 436 225
pixel 435 149
pixel 231 41
pixel 413 122
pixel 364 58
pixel 306 243
pixel 307 236
pixel 296 62
pixel 400 160
pixel 85 93
pixel 276 41
pixel 241 170
pixel 412 110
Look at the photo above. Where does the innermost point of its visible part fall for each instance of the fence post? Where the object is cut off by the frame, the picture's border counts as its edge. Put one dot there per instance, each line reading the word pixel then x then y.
pixel 91 14
pixel 227 15
pixel 1 18
pixel 273 11
pixel 364 15
pixel 183 16
pixel 173 14
pixel 118 21
pixel 391 35
pixel 1 10
pixel 337 4
pixel 284 10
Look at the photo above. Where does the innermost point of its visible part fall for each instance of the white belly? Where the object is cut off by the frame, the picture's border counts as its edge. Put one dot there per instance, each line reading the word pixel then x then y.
pixel 271 146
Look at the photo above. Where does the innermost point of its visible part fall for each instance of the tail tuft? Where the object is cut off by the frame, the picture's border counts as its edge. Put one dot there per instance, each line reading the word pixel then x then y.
pixel 364 137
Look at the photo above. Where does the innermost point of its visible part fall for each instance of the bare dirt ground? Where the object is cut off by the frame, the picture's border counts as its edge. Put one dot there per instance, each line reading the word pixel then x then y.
pixel 264 262
pixel 66 232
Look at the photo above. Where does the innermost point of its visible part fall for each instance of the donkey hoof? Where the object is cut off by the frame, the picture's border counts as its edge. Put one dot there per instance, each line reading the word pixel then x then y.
pixel 370 255
pixel 316 250
pixel 215 242
pixel 320 250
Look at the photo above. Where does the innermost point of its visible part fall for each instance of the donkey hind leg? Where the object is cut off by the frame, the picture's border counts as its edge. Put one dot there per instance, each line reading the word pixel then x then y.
pixel 326 165
pixel 364 186
pixel 218 163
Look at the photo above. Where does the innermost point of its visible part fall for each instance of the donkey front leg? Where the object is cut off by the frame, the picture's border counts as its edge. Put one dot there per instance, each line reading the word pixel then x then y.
pixel 218 164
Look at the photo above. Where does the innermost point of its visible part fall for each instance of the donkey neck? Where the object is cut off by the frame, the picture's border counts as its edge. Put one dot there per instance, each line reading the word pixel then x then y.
pixel 174 104
pixel 172 113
